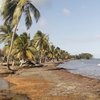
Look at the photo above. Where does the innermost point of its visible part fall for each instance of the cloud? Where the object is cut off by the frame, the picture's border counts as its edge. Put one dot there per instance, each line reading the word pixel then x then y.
pixel 66 12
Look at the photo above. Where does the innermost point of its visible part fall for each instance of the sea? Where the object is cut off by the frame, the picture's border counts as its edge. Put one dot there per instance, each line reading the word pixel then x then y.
pixel 89 68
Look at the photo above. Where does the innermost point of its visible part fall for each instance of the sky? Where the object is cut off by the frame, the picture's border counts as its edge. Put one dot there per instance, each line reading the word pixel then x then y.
pixel 72 25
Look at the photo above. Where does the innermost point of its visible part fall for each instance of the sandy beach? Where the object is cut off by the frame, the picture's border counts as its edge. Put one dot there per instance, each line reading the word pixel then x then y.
pixel 52 83
pixel 38 35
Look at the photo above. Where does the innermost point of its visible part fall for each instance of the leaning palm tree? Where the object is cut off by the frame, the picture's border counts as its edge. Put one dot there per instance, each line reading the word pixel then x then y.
pixel 12 12
pixel 41 42
pixel 57 53
pixel 22 48
pixel 5 37
pixel 52 52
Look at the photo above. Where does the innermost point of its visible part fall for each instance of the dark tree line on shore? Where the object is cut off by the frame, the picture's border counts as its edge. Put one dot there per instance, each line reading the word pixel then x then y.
pixel 82 56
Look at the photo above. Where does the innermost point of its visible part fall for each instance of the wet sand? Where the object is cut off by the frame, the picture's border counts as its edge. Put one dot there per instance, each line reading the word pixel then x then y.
pixel 52 83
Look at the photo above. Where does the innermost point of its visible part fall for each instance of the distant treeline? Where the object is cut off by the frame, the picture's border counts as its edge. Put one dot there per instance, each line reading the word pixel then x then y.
pixel 82 56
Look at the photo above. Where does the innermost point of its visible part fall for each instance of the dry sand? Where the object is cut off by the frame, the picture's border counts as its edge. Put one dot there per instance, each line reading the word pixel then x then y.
pixel 52 83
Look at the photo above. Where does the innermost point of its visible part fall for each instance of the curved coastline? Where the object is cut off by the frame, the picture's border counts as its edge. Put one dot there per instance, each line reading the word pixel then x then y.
pixel 56 83
pixel 82 67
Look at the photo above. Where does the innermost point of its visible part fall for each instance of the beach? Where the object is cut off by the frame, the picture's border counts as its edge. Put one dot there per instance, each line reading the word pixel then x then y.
pixel 49 50
pixel 52 83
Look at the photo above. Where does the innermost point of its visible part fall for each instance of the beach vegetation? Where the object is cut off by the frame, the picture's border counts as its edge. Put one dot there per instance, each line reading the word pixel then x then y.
pixel 12 12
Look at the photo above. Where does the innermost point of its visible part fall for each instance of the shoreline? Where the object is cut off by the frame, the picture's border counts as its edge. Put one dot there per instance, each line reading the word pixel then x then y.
pixel 56 84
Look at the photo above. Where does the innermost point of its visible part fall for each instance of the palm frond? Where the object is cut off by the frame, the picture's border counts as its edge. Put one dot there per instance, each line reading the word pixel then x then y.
pixel 6 28
pixel 5 37
pixel 35 11
pixel 8 10
pixel 6 49
pixel 28 18
pixel 29 54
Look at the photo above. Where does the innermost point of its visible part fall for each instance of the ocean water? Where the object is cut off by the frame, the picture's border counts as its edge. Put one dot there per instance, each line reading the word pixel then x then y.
pixel 90 68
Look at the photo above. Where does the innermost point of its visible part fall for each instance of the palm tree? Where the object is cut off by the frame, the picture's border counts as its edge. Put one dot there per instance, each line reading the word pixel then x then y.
pixel 64 55
pixel 12 12
pixel 5 37
pixel 22 48
pixel 41 42
pixel 57 53
pixel 52 51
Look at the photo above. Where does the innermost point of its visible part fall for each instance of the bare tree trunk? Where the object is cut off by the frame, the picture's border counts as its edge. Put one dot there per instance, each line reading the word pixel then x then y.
pixel 11 45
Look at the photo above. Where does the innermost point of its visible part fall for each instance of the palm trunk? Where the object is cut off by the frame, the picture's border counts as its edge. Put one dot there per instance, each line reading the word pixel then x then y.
pixel 13 63
pixel 52 57
pixel 40 60
pixel 40 57
pixel 8 57
pixel 22 62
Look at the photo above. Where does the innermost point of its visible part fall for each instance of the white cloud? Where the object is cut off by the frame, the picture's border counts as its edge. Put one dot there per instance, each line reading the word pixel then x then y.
pixel 66 12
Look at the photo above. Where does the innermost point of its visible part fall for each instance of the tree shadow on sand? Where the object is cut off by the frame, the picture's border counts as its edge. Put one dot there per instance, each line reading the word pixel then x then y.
pixel 6 72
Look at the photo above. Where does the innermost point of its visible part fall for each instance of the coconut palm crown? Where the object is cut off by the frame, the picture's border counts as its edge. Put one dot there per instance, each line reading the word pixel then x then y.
pixel 13 10
pixel 22 48
pixel 41 43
